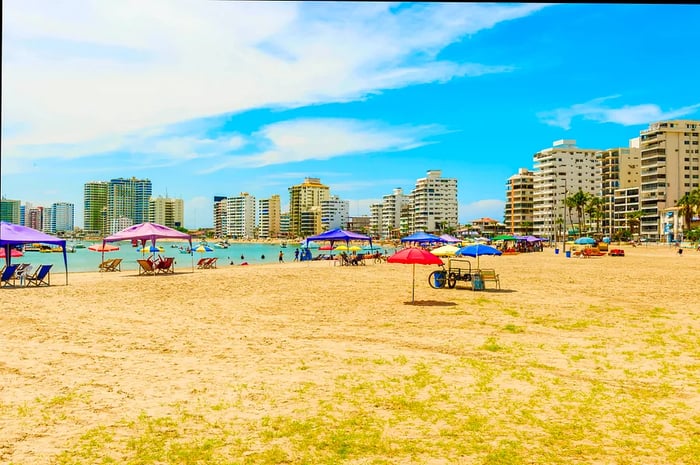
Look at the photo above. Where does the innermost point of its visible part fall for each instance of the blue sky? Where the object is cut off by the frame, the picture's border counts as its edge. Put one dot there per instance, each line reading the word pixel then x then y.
pixel 210 98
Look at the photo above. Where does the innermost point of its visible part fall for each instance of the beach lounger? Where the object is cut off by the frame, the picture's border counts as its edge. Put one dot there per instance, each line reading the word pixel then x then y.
pixel 210 263
pixel 113 264
pixel 165 265
pixel 202 263
pixel 116 265
pixel 146 267
pixel 42 276
pixel 9 275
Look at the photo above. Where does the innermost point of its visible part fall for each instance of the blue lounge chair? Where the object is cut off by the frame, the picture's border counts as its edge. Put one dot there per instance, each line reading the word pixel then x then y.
pixel 41 276
pixel 9 275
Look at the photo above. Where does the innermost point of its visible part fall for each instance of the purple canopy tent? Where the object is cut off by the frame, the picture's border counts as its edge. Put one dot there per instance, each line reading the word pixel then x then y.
pixel 15 234
pixel 450 239
pixel 339 235
pixel 422 237
pixel 148 232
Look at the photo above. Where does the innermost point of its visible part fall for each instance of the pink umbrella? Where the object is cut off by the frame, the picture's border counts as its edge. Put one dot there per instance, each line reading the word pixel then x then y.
pixel 414 256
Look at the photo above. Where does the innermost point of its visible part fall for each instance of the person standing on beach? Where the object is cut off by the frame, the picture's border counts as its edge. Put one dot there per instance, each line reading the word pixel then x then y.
pixel 281 257
pixel 296 255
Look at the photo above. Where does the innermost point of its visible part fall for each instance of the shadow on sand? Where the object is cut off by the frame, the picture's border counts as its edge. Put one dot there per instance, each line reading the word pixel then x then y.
pixel 431 303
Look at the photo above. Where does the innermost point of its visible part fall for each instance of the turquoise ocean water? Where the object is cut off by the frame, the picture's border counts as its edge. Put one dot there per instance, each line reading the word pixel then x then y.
pixel 83 260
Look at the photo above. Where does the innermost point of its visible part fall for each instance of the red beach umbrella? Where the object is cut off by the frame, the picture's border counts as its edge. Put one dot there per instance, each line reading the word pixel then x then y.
pixel 103 248
pixel 13 253
pixel 414 256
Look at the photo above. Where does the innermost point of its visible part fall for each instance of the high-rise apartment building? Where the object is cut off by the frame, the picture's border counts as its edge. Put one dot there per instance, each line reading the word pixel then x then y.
pixel 35 218
pixel 670 167
pixel 269 212
pixel 619 168
pixel 305 207
pixel 127 202
pixel 335 213
pixel 10 210
pixel 240 213
pixel 117 204
pixel 62 217
pixel 561 171
pixel 435 205
pixel 235 216
pixel 167 211
pixel 95 198
pixel 376 211
pixel 519 201
pixel 220 218
pixel 392 206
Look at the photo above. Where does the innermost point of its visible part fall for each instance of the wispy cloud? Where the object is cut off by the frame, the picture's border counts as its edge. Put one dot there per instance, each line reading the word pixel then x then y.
pixel 72 73
pixel 627 115
pixel 324 138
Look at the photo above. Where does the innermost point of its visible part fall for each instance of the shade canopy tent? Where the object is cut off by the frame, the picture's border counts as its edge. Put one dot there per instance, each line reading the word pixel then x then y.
pixel 339 235
pixel 422 237
pixel 148 232
pixel 450 239
pixel 15 234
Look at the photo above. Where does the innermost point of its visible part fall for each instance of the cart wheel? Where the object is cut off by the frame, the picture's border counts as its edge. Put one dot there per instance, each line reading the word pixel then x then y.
pixel 452 280
pixel 436 279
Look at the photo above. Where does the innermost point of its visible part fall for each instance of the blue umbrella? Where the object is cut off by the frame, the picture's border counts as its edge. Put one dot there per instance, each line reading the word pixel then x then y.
pixel 476 250
pixel 585 241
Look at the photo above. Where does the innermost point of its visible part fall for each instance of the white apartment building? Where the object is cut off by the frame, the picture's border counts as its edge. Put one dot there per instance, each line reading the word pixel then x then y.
pixel 392 205
pixel 269 213
pixel 375 219
pixel 167 211
pixel 240 216
pixel 670 160
pixel 626 202
pixel 519 201
pixel 561 171
pixel 435 205
pixel 62 217
pixel 335 213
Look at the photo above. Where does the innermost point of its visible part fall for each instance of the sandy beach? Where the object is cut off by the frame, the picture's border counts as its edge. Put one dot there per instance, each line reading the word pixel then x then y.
pixel 590 361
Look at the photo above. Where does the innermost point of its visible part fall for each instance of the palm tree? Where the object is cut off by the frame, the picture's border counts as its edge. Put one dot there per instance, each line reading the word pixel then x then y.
pixel 689 205
pixel 594 208
pixel 578 202
pixel 635 218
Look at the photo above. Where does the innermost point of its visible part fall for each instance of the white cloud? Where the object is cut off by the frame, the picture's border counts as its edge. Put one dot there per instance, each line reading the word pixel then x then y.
pixel 627 115
pixel 491 208
pixel 74 72
pixel 325 138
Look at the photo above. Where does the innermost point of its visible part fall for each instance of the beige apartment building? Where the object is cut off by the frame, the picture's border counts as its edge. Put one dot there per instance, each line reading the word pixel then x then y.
pixel 670 167
pixel 305 207
pixel 619 169
pixel 167 211
pixel 269 213
pixel 560 171
pixel 519 202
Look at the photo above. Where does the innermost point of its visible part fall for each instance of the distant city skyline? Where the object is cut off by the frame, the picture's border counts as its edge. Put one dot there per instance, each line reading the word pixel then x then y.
pixel 213 99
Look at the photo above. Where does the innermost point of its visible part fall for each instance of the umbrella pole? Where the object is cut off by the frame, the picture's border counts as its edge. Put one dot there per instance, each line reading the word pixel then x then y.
pixel 413 289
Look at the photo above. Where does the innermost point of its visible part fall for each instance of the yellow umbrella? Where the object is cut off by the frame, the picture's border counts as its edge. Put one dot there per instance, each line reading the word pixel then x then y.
pixel 445 251
pixel 355 248
pixel 341 247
